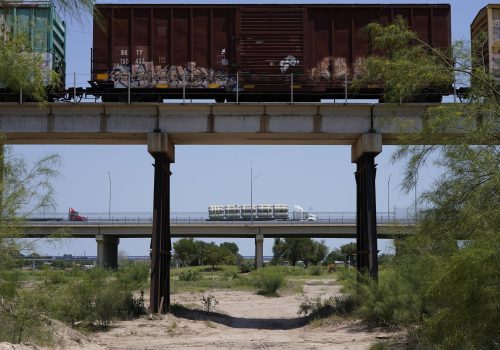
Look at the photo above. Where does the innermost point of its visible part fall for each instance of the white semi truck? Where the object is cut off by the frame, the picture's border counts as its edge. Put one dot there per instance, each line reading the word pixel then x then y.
pixel 262 212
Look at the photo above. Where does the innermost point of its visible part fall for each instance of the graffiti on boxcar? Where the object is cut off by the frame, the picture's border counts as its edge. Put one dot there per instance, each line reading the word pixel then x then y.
pixel 146 75
pixel 287 62
pixel 336 68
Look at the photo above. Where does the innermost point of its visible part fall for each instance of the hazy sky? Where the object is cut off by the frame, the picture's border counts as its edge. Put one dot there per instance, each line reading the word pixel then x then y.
pixel 318 178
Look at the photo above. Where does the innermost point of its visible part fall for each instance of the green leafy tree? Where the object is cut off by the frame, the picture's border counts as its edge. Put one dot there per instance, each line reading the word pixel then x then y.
pixel 334 255
pixel 24 189
pixel 394 55
pixel 348 250
pixel 214 255
pixel 21 65
pixel 449 291
pixel 317 253
pixel 299 249
pixel 230 247
pixel 185 251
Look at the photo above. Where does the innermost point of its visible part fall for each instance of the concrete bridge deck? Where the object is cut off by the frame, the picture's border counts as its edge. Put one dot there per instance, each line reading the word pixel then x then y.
pixel 225 123
pixel 240 229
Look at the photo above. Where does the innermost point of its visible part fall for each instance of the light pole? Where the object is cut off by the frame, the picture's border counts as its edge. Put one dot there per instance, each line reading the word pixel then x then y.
pixel 251 193
pixel 388 198
pixel 416 181
pixel 109 203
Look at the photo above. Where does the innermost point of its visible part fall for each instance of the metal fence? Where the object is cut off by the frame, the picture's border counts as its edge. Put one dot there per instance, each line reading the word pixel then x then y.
pixel 201 218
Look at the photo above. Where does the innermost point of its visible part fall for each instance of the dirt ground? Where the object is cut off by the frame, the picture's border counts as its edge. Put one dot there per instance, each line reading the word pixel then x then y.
pixel 242 320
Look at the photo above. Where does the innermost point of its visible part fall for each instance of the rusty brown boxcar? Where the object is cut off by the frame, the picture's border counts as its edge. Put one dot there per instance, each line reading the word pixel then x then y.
pixel 263 52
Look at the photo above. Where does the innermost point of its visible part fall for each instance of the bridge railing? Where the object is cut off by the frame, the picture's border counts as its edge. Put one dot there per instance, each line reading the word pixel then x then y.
pixel 199 218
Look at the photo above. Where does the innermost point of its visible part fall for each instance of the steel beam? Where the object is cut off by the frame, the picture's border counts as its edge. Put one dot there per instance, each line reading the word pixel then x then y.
pixel 366 220
pixel 364 152
pixel 162 151
pixel 161 237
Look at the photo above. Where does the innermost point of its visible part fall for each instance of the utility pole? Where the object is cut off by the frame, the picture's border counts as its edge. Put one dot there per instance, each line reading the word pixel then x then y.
pixel 251 193
pixel 388 198
pixel 109 203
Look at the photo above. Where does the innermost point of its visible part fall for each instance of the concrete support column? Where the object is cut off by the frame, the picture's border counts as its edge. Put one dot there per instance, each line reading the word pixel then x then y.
pixel 162 150
pixel 259 251
pixel 107 251
pixel 363 153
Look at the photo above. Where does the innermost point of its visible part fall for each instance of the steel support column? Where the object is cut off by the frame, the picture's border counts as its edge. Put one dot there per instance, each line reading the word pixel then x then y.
pixel 366 218
pixel 162 151
pixel 161 238
pixel 364 151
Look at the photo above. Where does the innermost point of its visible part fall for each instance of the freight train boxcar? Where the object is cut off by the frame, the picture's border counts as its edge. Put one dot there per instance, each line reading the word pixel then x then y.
pixel 39 22
pixel 487 21
pixel 265 52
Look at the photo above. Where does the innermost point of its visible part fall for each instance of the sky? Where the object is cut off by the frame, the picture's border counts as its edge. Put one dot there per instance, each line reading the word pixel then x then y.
pixel 318 178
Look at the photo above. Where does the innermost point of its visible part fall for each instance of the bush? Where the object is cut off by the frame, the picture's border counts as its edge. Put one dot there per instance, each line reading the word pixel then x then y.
pixel 190 275
pixel 134 275
pixel 246 266
pixel 209 303
pixel 390 302
pixel 316 270
pixel 22 320
pixel 320 308
pixel 268 280
pixel 95 298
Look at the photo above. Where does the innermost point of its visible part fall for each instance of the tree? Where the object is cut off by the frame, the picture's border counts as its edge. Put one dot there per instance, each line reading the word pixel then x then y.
pixel 230 247
pixel 214 255
pixel 299 249
pixel 185 251
pixel 318 253
pixel 348 250
pixel 394 56
pixel 449 290
pixel 21 66
pixel 24 189
pixel 334 255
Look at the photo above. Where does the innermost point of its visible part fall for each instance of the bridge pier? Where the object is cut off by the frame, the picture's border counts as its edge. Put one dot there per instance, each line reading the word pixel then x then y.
pixel 107 251
pixel 363 153
pixel 259 251
pixel 162 150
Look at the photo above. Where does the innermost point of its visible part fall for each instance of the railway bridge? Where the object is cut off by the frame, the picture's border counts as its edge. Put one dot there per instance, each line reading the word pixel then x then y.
pixel 366 127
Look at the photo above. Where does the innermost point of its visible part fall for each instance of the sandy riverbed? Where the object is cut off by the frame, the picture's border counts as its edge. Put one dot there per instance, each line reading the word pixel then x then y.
pixel 242 320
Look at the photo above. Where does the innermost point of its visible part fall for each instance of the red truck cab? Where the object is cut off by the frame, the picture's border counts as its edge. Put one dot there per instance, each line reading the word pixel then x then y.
pixel 73 215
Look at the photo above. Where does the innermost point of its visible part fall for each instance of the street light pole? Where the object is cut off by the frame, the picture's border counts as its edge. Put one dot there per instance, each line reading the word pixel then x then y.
pixel 416 181
pixel 388 198
pixel 109 204
pixel 251 193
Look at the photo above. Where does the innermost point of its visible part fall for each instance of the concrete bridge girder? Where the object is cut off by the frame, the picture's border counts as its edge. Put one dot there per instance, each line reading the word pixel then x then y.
pixel 117 123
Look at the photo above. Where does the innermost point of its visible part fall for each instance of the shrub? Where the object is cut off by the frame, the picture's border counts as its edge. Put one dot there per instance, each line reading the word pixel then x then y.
pixel 95 299
pixel 22 320
pixel 190 275
pixel 320 308
pixel 246 266
pixel 390 302
pixel 134 275
pixel 268 280
pixel 316 270
pixel 209 303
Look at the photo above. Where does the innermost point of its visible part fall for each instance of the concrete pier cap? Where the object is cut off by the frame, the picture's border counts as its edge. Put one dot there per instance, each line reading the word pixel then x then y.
pixel 160 143
pixel 366 143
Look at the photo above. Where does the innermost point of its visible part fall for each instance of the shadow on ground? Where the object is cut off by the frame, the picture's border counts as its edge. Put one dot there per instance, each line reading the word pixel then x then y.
pixel 239 322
